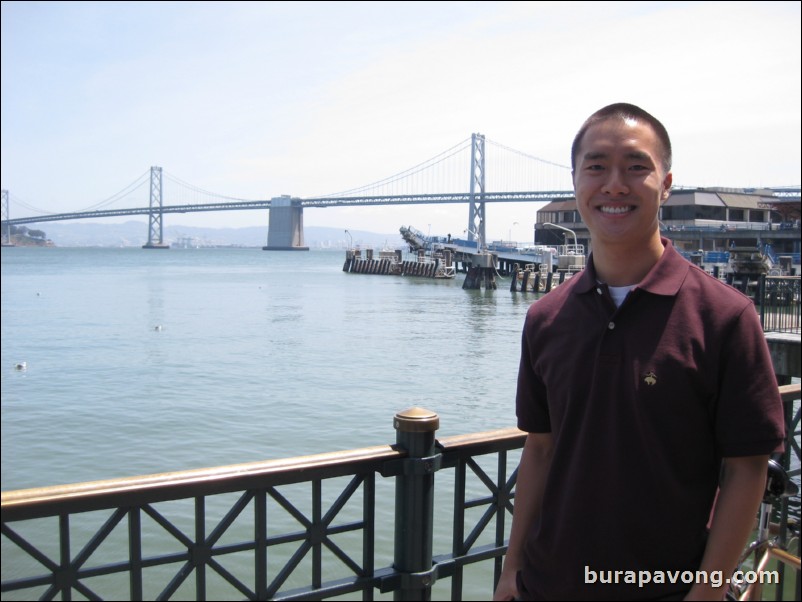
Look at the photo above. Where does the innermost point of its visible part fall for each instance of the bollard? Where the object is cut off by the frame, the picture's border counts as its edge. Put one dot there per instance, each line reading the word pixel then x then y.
pixel 414 503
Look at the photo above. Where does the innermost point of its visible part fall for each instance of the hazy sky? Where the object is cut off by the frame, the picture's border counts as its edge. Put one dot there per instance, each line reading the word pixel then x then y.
pixel 254 100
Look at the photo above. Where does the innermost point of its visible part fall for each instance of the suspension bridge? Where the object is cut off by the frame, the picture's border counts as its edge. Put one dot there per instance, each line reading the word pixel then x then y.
pixel 496 173
pixel 460 174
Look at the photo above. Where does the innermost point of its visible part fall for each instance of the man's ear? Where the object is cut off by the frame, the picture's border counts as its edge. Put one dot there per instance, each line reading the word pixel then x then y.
pixel 667 181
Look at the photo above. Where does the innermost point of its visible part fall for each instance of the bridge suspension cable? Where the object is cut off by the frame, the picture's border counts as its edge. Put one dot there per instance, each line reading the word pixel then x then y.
pixel 18 202
pixel 139 182
pixel 390 184
pixel 197 190
pixel 125 192
pixel 508 170
pixel 528 156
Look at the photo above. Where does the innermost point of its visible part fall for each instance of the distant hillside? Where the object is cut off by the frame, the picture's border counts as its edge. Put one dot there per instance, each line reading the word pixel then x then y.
pixel 135 234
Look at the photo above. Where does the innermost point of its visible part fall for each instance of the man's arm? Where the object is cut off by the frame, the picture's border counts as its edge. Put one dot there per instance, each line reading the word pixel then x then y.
pixel 532 472
pixel 741 489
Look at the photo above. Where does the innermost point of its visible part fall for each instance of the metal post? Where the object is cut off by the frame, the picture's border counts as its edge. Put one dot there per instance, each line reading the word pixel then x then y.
pixel 414 503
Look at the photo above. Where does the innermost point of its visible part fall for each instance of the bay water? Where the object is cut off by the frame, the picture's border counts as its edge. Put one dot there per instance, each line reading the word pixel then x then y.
pixel 148 361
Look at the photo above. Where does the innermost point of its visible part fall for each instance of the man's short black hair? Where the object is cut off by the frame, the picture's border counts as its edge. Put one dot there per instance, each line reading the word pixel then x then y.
pixel 624 111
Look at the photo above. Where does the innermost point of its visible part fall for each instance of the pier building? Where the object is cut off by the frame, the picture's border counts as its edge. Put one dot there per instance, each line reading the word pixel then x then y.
pixel 706 220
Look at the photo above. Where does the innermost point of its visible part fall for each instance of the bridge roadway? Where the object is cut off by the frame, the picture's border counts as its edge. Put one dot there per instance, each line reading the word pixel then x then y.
pixel 791 193
pixel 285 227
pixel 322 202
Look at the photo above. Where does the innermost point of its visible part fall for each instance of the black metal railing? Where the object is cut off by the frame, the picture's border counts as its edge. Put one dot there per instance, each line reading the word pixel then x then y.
pixel 790 580
pixel 307 528
pixel 780 303
pixel 295 529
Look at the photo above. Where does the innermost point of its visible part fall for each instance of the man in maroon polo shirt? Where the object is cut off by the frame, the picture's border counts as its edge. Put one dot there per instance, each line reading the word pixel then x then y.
pixel 644 385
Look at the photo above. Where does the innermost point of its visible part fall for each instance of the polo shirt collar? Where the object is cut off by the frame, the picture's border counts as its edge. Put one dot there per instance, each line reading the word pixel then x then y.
pixel 665 278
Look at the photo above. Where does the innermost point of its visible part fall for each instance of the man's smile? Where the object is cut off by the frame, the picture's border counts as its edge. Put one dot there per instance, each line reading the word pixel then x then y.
pixel 616 209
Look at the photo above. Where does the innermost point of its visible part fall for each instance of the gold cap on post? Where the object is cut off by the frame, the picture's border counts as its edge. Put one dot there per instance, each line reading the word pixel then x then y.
pixel 416 420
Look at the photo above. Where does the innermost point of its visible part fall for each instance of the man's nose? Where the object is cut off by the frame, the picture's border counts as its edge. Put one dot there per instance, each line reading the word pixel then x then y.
pixel 615 183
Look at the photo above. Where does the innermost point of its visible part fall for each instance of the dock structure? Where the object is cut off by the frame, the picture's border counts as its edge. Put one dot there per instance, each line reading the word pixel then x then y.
pixel 530 279
pixel 391 262
pixel 479 262
pixel 534 268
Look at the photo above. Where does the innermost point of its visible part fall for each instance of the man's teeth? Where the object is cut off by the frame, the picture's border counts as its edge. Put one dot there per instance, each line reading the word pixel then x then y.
pixel 616 210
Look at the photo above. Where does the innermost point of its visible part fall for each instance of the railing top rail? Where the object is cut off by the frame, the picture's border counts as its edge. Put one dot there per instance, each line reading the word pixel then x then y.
pixel 145 489
pixel 480 443
pixel 791 392
pixel 95 495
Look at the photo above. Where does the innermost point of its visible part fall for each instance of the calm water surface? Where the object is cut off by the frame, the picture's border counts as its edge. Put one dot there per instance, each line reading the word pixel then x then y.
pixel 142 362
pixel 150 361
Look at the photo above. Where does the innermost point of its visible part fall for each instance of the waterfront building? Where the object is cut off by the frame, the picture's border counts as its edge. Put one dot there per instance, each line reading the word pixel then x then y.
pixel 707 220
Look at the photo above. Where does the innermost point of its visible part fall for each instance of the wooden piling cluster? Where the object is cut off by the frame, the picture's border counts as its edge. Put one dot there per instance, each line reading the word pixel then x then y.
pixel 358 265
pixel 533 281
pixel 387 265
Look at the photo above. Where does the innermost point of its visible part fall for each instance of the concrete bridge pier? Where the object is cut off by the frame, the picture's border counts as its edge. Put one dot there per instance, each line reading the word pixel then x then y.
pixel 286 225
pixel 482 272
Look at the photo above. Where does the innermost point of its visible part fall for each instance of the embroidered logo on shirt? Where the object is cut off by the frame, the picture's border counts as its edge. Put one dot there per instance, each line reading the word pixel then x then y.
pixel 650 379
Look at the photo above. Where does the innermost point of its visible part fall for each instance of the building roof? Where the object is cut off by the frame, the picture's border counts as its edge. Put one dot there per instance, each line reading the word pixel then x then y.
pixel 710 197
pixel 741 201
pixel 693 197
pixel 569 205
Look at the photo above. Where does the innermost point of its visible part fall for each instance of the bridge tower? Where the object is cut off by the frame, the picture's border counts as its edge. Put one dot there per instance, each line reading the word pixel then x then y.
pixel 483 264
pixel 155 230
pixel 476 209
pixel 5 217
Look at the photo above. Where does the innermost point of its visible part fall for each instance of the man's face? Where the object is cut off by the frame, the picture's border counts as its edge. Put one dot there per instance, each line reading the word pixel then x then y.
pixel 619 182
